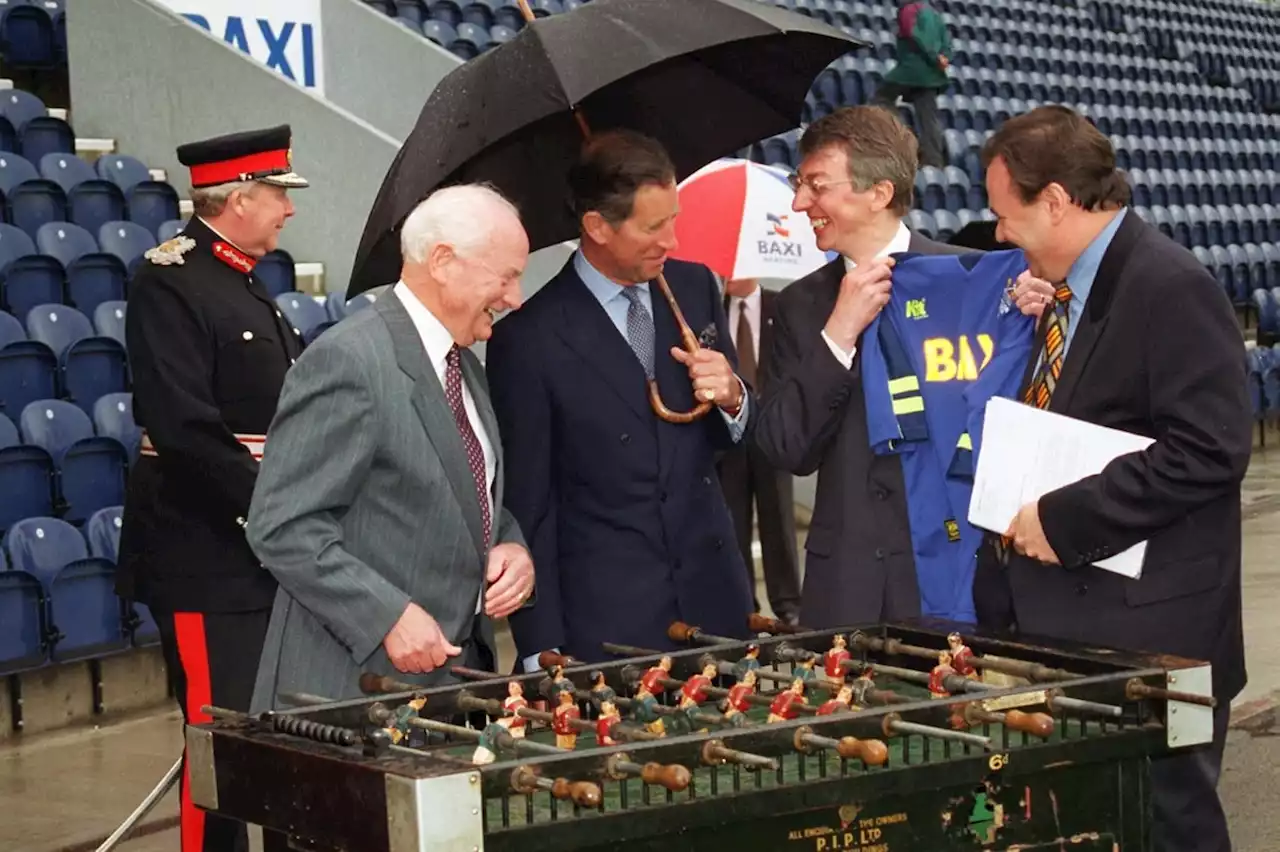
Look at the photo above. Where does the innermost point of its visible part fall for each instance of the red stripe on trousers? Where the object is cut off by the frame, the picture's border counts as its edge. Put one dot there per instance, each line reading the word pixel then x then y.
pixel 193 651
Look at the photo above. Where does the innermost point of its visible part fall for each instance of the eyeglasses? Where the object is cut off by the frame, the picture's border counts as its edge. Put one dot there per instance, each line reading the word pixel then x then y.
pixel 815 186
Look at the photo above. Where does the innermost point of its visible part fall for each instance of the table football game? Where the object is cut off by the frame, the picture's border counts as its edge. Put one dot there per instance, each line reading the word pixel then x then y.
pixel 879 738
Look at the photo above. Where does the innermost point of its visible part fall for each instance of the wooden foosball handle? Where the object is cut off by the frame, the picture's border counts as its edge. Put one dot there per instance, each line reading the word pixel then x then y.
pixel 870 752
pixel 673 777
pixel 547 659
pixel 758 623
pixel 375 684
pixel 1036 724
pixel 582 793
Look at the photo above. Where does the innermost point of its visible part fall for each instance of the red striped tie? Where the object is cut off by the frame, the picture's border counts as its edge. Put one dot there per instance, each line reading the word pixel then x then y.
pixel 475 454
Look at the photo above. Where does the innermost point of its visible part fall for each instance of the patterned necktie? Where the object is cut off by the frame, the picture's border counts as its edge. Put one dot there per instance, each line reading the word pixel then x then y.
pixel 475 454
pixel 746 346
pixel 1040 391
pixel 639 329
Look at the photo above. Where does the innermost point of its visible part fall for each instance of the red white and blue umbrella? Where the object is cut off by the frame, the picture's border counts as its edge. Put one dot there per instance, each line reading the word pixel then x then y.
pixel 736 218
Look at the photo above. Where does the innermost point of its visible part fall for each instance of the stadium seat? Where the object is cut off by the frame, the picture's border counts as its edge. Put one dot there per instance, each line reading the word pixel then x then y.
pixel 20 107
pixel 32 203
pixel 151 204
pixel 922 223
pixel 103 533
pixel 91 200
pixel 307 316
pixel 446 11
pixel 43 135
pixel 90 365
pixel 11 331
pixel 23 621
pixel 169 230
pixel 84 612
pixel 275 270
pixel 480 13
pixel 113 418
pixel 439 31
pixel 931 192
pixel 470 42
pixel 128 241
pixel 338 308
pixel 125 172
pixel 15 170
pixel 92 276
pixel 108 320
pixel 29 38
pixel 90 468
pixel 27 279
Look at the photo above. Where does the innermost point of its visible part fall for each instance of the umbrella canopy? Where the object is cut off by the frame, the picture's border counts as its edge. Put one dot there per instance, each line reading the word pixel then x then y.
pixel 705 77
pixel 736 218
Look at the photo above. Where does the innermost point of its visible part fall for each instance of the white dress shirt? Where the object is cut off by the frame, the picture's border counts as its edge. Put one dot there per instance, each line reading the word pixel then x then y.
pixel 437 341
pixel 752 302
pixel 901 242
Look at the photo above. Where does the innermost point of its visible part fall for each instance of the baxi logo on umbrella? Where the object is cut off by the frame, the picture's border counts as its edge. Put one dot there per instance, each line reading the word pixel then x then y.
pixel 734 219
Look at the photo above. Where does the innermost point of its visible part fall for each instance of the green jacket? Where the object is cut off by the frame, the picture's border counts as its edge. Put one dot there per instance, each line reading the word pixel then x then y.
pixel 922 36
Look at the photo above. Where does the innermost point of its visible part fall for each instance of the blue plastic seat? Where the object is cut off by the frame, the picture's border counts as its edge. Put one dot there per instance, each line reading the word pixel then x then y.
pixel 14 170
pixel 32 203
pixel 108 320
pixel 305 314
pixel 90 468
pixel 23 621
pixel 90 365
pixel 169 230
pixel 471 41
pixel 113 418
pixel 30 38
pixel 84 612
pixel 124 171
pixel 922 223
pixel 275 270
pixel 20 106
pixel 43 135
pixel 93 276
pixel 126 240
pixel 151 204
pixel 11 331
pixel 439 31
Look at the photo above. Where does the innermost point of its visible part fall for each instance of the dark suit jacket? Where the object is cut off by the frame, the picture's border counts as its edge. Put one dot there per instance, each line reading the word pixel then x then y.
pixel 1157 352
pixel 859 565
pixel 623 512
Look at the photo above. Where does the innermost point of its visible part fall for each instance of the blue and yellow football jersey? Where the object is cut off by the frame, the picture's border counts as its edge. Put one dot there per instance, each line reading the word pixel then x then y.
pixel 949 339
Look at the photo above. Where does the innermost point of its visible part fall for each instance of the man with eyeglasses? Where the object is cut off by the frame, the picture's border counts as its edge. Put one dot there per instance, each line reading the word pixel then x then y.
pixel 855 182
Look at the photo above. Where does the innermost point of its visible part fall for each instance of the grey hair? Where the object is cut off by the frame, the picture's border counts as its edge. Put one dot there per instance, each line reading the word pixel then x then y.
pixel 461 216
pixel 210 201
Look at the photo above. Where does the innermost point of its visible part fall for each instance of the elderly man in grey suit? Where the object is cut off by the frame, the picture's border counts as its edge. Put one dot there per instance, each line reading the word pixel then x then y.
pixel 379 504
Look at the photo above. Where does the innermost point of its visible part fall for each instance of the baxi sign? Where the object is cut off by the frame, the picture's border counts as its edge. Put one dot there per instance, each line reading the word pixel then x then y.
pixel 284 35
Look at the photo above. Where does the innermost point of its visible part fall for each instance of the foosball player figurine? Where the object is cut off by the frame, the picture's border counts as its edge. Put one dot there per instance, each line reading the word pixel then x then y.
pixel 601 692
pixel 652 679
pixel 562 719
pixel 682 720
pixel 783 707
pixel 749 663
pixel 940 671
pixel 839 704
pixel 695 688
pixel 831 661
pixel 514 702
pixel 559 684
pixel 804 671
pixel 644 709
pixel 609 717
pixel 738 701
pixel 487 746
pixel 399 727
pixel 961 656
pixel 861 688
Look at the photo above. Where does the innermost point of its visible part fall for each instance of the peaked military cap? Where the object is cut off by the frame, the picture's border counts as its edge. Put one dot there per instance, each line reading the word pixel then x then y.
pixel 261 155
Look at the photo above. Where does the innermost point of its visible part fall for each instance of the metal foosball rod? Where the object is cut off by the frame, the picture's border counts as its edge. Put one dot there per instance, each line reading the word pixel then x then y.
pixel 494 708
pixel 1135 689
pixel 1017 668
pixel 952 683
pixel 724 666
pixel 1057 702
pixel 870 752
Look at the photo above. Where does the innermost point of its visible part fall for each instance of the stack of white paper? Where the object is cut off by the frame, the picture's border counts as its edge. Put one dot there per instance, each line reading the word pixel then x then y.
pixel 1027 452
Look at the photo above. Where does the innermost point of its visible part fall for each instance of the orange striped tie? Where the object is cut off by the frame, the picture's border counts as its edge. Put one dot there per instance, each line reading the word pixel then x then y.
pixel 1040 391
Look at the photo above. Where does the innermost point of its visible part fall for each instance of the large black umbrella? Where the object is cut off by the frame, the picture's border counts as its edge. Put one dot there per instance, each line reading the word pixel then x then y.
pixel 705 77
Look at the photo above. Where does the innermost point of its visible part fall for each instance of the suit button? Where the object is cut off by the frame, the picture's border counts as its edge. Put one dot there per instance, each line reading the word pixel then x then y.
pixel 624 438
pixel 881 494
pixel 663 496
pixel 879 553
pixel 1082 588
pixel 719 543
pixel 706 480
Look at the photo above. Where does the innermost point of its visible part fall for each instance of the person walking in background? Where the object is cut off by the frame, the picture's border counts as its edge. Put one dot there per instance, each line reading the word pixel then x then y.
pixel 920 75
pixel 751 485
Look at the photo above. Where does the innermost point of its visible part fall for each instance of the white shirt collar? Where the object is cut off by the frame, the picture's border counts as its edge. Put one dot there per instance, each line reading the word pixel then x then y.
pixel 436 339
pixel 752 300
pixel 901 242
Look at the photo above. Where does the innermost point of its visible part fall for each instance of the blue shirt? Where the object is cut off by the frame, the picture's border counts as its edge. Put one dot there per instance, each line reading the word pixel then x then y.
pixel 947 342
pixel 1081 274
pixel 609 294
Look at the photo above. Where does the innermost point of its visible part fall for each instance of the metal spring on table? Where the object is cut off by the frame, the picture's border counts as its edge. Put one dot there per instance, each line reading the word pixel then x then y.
pixel 314 730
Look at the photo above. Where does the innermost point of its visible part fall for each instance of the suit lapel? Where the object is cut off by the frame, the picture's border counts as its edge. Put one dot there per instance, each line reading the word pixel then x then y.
pixel 1093 319
pixel 766 329
pixel 672 376
pixel 433 410
pixel 587 329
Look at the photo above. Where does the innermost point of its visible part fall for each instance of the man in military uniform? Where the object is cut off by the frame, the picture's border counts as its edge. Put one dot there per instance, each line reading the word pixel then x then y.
pixel 208 351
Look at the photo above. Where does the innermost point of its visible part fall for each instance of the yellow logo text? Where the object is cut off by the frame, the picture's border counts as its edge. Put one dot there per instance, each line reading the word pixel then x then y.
pixel 947 361
pixel 915 309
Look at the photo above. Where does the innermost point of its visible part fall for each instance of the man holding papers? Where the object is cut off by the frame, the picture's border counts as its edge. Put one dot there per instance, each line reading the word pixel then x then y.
pixel 1142 339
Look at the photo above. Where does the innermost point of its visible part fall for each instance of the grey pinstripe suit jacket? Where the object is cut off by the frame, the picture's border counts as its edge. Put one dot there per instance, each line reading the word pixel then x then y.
pixel 364 503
